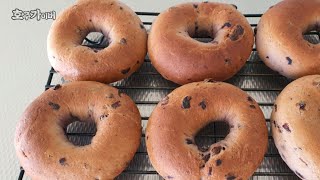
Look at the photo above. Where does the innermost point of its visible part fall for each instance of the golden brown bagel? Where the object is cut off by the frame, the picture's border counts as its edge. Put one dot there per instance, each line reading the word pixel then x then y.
pixel 280 41
pixel 181 59
pixel 295 126
pixel 45 152
pixel 178 117
pixel 123 28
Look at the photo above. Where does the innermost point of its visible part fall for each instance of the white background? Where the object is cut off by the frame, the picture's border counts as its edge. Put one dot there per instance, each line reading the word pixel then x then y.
pixel 24 65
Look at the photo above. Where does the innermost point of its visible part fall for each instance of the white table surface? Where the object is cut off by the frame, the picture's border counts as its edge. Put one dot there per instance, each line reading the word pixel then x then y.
pixel 24 64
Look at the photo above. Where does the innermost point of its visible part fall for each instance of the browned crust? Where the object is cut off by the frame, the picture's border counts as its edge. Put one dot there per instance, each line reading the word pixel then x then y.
pixel 181 59
pixel 43 149
pixel 280 42
pixel 120 59
pixel 176 120
pixel 295 126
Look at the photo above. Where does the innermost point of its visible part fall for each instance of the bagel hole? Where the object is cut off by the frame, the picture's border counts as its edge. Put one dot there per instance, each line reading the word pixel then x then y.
pixel 203 39
pixel 312 35
pixel 212 133
pixel 80 133
pixel 96 41
pixel 203 36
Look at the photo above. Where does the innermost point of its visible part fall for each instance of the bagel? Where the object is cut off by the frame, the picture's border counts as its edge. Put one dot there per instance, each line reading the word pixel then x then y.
pixel 177 119
pixel 124 30
pixel 280 42
pixel 181 59
pixel 295 126
pixel 45 152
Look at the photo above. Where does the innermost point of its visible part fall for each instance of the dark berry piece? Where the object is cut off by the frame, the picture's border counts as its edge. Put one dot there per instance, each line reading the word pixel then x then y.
pixel 195 6
pixel 286 127
pixel 274 123
pixel 206 158
pixel 227 61
pixel 250 99
pixel 203 105
pixel 62 161
pixel 54 106
pixel 186 102
pixel 289 60
pixel 216 150
pixel 252 106
pixel 236 33
pixel 58 86
pixel 210 171
pixel 302 105
pixel 227 24
pixel 116 105
pixel 275 107
pixel 218 162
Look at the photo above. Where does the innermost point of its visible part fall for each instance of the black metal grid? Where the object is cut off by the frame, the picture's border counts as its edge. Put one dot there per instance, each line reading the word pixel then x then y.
pixel 254 70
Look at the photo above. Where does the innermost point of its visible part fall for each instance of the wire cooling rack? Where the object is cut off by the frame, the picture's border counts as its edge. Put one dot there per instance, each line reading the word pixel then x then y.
pixel 147 87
